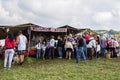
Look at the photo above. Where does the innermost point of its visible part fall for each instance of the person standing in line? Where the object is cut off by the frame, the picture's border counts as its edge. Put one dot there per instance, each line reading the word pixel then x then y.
pixel 111 44
pixel 6 31
pixel 102 47
pixel 9 52
pixel 97 47
pixel 85 46
pixel 44 46
pixel 91 48
pixel 80 49
pixel 21 42
pixel 116 44
pixel 68 48
pixel 87 36
pixel 60 47
pixel 38 47
pixel 72 40
pixel 51 47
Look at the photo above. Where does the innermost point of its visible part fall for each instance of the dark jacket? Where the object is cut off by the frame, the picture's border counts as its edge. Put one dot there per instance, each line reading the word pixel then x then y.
pixel 60 43
pixel 81 42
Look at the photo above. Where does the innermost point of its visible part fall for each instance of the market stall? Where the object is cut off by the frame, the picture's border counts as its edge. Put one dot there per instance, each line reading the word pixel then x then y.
pixel 41 33
pixel 33 33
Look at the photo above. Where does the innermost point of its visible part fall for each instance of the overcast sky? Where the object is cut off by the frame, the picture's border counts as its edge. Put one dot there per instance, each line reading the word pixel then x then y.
pixel 94 14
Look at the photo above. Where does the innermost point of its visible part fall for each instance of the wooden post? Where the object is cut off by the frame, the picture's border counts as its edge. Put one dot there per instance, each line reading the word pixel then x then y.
pixel 66 34
pixel 29 47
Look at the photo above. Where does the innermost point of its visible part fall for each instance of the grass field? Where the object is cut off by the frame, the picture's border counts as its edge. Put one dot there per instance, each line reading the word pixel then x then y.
pixel 62 69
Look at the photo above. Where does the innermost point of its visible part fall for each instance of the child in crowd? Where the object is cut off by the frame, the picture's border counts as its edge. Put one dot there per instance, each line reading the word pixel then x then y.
pixel 38 47
pixel 43 49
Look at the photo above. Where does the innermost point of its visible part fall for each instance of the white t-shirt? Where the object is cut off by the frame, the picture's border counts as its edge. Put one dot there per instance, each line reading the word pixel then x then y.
pixel 92 44
pixel 52 42
pixel 116 44
pixel 43 47
pixel 68 45
pixel 98 48
pixel 22 42
pixel 38 46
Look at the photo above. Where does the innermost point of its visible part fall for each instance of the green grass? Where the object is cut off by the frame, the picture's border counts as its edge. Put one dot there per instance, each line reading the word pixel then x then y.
pixel 62 69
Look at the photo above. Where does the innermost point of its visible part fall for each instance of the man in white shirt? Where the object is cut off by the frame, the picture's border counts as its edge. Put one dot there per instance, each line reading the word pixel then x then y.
pixel 91 48
pixel 21 42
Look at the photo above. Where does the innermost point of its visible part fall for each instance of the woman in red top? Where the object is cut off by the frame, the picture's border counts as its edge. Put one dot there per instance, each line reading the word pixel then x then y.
pixel 87 36
pixel 9 52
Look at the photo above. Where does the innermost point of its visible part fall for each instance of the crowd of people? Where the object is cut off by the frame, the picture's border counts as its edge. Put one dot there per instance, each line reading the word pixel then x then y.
pixel 70 46
pixel 78 46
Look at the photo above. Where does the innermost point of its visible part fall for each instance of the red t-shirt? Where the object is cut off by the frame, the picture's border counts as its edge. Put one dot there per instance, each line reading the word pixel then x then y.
pixel 9 44
pixel 87 37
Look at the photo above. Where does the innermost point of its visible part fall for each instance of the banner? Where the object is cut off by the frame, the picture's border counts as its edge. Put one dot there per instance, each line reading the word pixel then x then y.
pixel 43 29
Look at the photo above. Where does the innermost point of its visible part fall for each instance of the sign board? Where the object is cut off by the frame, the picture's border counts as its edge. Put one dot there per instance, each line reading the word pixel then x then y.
pixel 43 29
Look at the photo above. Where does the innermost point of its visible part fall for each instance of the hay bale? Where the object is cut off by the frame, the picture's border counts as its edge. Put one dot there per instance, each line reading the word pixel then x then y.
pixel 108 55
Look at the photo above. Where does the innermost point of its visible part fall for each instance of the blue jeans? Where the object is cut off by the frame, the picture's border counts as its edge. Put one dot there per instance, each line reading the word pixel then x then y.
pixel 8 57
pixel 51 52
pixel 74 53
pixel 60 52
pixel 102 52
pixel 38 54
pixel 79 54
pixel 85 50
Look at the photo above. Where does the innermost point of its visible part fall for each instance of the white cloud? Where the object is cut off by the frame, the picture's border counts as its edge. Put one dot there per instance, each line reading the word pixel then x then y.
pixel 103 17
pixel 119 14
pixel 95 14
